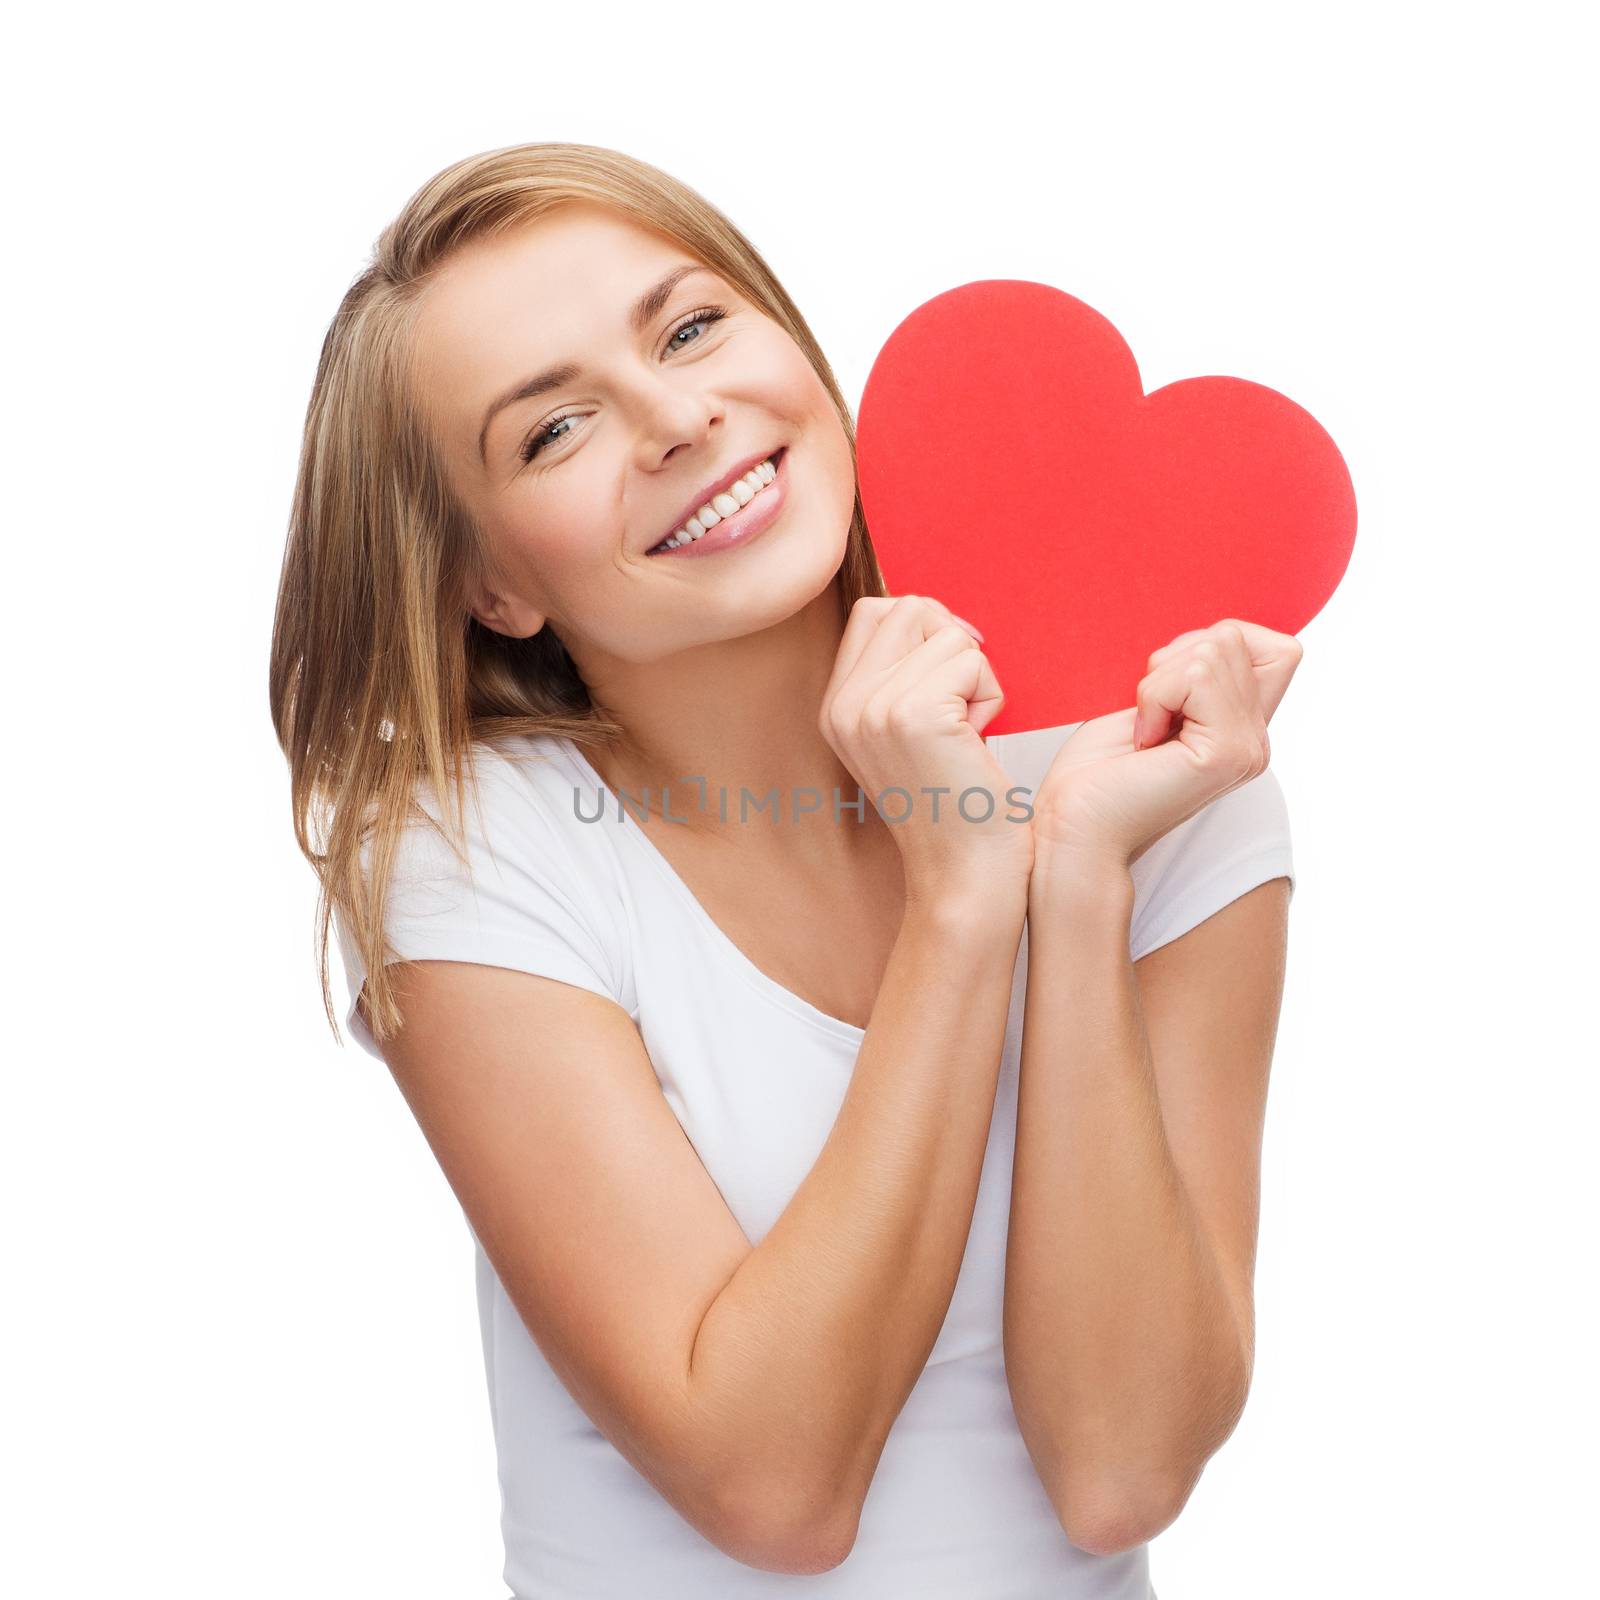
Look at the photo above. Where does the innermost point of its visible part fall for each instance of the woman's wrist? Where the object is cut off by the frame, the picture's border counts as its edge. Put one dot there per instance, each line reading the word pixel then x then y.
pixel 1079 873
pixel 999 901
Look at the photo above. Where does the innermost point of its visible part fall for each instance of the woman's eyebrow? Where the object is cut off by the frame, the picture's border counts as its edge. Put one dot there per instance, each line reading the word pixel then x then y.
pixel 645 311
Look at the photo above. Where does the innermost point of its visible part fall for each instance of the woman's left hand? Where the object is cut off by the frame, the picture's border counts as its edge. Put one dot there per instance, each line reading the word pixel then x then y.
pixel 1120 782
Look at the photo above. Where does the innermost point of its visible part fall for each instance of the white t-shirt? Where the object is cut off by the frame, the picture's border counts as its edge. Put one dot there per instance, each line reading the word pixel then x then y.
pixel 756 1076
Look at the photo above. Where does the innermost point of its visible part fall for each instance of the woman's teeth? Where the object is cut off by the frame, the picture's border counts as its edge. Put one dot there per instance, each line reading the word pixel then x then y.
pixel 735 498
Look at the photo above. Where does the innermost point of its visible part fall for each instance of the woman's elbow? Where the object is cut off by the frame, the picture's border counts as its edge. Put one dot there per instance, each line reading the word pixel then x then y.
pixel 789 1528
pixel 1107 1522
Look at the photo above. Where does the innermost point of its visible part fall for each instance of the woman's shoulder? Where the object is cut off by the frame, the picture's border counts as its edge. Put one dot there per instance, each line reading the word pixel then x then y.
pixel 1233 843
pixel 512 774
pixel 523 824
pixel 518 886
pixel 543 765
pixel 521 804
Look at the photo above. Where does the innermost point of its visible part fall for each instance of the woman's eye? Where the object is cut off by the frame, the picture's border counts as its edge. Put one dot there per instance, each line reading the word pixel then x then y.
pixel 542 435
pixel 705 316
pixel 545 433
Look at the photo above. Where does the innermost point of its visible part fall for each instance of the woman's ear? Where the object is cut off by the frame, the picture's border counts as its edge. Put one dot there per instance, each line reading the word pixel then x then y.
pixel 516 619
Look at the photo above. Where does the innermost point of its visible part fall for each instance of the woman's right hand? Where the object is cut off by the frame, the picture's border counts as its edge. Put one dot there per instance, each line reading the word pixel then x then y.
pixel 906 706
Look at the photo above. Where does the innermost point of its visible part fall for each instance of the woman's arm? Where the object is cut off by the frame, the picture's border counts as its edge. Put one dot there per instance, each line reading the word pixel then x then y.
pixel 755 1387
pixel 805 1358
pixel 1128 1304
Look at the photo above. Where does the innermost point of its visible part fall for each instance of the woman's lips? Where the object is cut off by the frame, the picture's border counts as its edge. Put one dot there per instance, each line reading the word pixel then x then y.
pixel 749 520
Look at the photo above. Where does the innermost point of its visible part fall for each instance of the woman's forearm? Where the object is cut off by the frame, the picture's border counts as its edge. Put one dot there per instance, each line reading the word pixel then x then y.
pixel 806 1357
pixel 1126 1365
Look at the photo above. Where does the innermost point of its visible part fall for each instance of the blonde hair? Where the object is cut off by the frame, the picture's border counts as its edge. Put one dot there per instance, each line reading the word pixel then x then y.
pixel 380 676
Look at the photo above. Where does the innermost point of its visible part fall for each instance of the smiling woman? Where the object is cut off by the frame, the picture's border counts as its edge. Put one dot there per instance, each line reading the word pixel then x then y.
pixel 394 504
pixel 732 1111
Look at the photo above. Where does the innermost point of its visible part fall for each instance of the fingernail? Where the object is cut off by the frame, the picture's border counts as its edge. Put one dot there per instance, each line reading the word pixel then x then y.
pixel 968 626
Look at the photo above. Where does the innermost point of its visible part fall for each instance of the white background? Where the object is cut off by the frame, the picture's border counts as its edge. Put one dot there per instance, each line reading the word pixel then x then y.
pixel 241 1350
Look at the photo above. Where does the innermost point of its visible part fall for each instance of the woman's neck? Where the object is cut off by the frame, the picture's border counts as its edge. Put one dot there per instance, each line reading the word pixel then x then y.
pixel 719 741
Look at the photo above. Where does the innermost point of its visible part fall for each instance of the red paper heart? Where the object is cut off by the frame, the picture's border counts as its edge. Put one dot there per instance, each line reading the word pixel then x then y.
pixel 1012 466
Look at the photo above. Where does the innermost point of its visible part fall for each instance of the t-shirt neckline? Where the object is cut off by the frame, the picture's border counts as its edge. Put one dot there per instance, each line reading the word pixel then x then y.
pixel 761 981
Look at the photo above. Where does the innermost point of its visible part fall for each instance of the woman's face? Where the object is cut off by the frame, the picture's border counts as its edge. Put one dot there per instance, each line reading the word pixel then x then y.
pixel 576 483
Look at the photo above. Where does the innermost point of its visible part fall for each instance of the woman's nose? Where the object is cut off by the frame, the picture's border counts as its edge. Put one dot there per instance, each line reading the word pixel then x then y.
pixel 672 419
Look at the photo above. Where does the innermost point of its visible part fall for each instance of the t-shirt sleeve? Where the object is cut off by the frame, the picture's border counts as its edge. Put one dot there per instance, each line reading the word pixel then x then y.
pixel 1225 849
pixel 520 900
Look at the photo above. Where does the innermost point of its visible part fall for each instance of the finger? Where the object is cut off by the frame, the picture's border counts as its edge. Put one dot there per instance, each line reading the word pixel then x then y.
pixel 1238 646
pixel 1154 721
pixel 1219 720
pixel 1234 654
pixel 1185 642
pixel 1165 694
pixel 911 619
pixel 1157 702
pixel 926 676
pixel 1157 726
pixel 967 681
pixel 1166 652
pixel 865 616
pixel 1274 658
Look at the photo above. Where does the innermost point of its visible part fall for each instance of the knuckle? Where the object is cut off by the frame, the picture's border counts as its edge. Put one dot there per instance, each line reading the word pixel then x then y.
pixel 844 712
pixel 900 716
